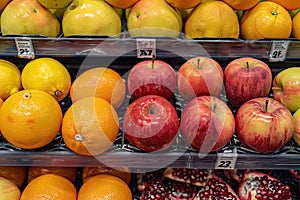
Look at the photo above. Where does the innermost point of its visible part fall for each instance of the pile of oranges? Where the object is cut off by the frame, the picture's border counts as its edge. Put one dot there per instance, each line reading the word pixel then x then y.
pixel 63 183
pixel 31 116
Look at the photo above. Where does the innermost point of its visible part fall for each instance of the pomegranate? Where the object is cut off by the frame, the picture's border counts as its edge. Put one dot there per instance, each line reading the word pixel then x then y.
pixel 196 177
pixel 167 189
pixel 295 173
pixel 216 189
pixel 143 178
pixel 257 185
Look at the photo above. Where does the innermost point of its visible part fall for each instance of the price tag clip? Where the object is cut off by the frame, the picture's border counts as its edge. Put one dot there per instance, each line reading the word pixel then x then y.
pixel 146 48
pixel 25 48
pixel 226 159
pixel 278 51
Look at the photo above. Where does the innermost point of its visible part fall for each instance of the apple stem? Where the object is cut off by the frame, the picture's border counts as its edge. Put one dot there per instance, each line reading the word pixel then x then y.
pixel 151 110
pixel 267 102
pixel 214 107
pixel 153 59
pixel 198 63
pixel 247 63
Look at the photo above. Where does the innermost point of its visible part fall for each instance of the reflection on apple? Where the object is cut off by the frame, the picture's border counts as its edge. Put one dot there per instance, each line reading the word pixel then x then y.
pixel 199 76
pixel 264 124
pixel 151 123
pixel 151 77
pixel 207 123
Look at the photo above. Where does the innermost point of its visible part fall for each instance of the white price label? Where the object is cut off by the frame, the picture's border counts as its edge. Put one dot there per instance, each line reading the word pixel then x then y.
pixel 25 48
pixel 278 51
pixel 146 48
pixel 226 160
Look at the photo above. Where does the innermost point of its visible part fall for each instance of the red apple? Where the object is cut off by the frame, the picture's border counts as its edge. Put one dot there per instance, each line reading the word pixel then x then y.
pixel 199 76
pixel 151 123
pixel 151 77
pixel 246 78
pixel 264 124
pixel 207 123
pixel 286 88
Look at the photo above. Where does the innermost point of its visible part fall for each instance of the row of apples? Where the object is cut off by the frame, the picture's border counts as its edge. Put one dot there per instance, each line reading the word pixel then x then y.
pixel 196 19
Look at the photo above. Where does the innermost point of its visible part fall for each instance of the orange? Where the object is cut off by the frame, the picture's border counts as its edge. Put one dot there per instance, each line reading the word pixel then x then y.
pixel 10 79
pixel 90 126
pixel 30 119
pixel 104 187
pixel 296 26
pixel 3 4
pixel 183 4
pixel 49 187
pixel 16 174
pixel 47 74
pixel 288 4
pixel 36 171
pixel 266 20
pixel 122 3
pixel 212 19
pixel 99 82
pixel 241 4
pixel 122 173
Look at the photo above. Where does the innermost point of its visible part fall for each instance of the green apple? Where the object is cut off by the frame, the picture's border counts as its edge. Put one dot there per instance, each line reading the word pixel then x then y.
pixel 286 88
pixel 296 135
pixel 8 190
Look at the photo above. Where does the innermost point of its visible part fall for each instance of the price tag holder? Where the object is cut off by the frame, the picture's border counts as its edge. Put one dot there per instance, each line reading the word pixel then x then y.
pixel 227 159
pixel 146 48
pixel 278 51
pixel 25 48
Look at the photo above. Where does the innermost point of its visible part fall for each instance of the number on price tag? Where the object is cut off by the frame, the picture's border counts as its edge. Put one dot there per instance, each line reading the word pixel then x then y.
pixel 146 48
pixel 226 160
pixel 25 48
pixel 278 51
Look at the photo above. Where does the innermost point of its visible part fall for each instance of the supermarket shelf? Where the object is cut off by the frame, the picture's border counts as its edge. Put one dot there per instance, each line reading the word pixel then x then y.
pixel 166 47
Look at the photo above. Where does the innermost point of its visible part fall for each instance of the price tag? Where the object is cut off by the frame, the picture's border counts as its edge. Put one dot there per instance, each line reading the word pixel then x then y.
pixel 146 48
pixel 226 160
pixel 278 51
pixel 25 48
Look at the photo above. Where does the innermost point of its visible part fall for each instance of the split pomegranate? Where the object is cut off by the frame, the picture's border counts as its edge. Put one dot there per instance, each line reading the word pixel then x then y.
pixel 167 189
pixel 259 186
pixel 216 189
pixel 196 177
pixel 143 178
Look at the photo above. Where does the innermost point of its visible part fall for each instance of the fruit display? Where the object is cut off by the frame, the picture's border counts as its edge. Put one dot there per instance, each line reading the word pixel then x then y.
pixel 149 99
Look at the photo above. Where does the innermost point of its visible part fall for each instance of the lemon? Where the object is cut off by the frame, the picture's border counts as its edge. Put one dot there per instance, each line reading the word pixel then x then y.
pixel 48 75
pixel 10 79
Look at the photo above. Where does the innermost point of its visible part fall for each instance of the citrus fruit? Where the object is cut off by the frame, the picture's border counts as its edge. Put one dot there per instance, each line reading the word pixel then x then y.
pixel 10 79
pixel 241 4
pixel 212 19
pixel 182 4
pixel 266 20
pixel 99 82
pixel 30 119
pixel 104 187
pixel 121 3
pixel 288 4
pixel 49 187
pixel 49 75
pixel 8 190
pixel 90 126
pixel 296 26
pixel 67 172
pixel 16 174
pixel 123 173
